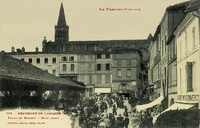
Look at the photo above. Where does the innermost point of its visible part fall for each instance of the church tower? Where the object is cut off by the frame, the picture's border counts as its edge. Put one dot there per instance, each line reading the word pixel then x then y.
pixel 61 29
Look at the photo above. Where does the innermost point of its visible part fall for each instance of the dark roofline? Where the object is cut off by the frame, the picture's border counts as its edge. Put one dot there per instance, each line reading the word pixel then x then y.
pixel 192 6
pixel 43 84
pixel 158 29
pixel 108 41
pixel 177 6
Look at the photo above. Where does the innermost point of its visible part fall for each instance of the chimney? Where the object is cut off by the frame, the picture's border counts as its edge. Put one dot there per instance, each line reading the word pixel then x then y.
pixel 36 49
pixel 23 50
pixel 12 49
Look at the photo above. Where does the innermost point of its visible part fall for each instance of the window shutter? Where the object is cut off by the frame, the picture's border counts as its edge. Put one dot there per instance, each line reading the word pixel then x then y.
pixel 189 76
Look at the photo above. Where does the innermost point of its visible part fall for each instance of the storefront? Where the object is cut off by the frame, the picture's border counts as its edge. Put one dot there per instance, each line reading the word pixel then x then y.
pixel 184 101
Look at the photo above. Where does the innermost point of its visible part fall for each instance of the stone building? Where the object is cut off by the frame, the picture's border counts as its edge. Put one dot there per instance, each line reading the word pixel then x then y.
pixel 176 13
pixel 188 57
pixel 171 19
pixel 92 62
pixel 154 67
pixel 163 64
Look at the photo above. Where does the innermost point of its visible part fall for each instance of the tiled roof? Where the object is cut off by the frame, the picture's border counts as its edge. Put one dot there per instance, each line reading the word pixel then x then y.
pixel 14 69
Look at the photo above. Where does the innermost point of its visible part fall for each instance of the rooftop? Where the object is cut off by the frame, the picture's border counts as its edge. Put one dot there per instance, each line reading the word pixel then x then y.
pixel 14 69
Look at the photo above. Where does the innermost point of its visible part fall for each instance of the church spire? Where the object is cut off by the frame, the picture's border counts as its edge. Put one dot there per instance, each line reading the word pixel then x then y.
pixel 61 18
pixel 61 29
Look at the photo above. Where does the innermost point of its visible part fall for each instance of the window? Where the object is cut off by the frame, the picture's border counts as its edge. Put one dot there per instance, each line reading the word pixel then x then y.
pixel 119 72
pixel 99 79
pixel 107 78
pixel 98 56
pixel 71 58
pixel 72 67
pixel 186 44
pixel 170 77
pixel 92 79
pixel 189 74
pixel 119 62
pixel 64 67
pixel 46 60
pixel 128 72
pixel 64 58
pixel 98 66
pixel 54 60
pixel 22 59
pixel 162 47
pixel 194 37
pixel 165 44
pixel 89 67
pixel 180 49
pixel 38 60
pixel 107 55
pixel 180 80
pixel 107 66
pixel 30 60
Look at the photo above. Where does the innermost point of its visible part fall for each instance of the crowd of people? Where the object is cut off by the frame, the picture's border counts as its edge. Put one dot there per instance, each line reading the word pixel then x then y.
pixel 100 111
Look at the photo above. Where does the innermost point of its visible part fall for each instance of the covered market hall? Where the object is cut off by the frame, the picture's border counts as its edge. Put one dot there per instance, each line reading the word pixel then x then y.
pixel 24 85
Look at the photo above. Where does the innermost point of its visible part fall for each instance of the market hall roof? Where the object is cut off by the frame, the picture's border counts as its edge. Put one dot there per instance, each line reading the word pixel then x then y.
pixel 23 72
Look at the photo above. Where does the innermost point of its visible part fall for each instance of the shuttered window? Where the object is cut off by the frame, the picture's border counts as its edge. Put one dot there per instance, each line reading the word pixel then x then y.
pixel 64 67
pixel 189 76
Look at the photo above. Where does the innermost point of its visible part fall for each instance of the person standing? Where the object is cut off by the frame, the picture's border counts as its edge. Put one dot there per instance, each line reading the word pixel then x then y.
pixel 126 122
pixel 125 111
pixel 114 110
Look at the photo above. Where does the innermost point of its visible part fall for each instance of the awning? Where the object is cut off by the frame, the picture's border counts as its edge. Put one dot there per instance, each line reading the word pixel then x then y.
pixel 149 105
pixel 175 106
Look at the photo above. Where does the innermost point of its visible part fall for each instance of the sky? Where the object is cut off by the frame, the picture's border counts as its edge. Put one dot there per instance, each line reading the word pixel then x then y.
pixel 24 23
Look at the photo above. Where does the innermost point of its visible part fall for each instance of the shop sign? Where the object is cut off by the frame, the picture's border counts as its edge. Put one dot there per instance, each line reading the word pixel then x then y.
pixel 102 90
pixel 103 85
pixel 188 98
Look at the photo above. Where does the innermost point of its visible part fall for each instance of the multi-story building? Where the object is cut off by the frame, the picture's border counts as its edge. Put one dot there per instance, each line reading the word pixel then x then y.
pixel 172 71
pixel 154 67
pixel 92 62
pixel 172 17
pixel 176 14
pixel 178 59
pixel 126 71
pixel 188 56
pixel 162 65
